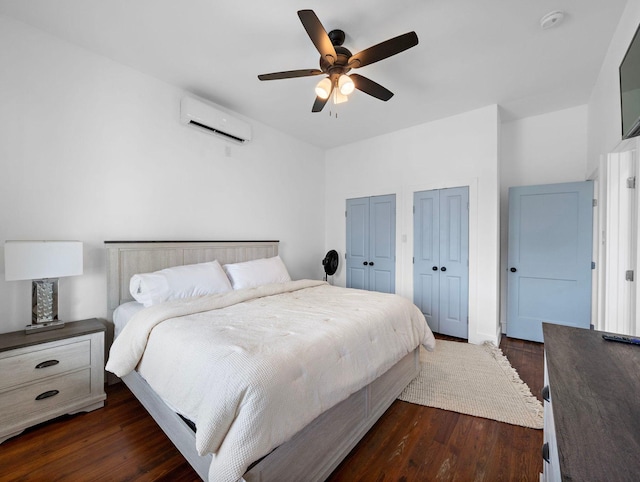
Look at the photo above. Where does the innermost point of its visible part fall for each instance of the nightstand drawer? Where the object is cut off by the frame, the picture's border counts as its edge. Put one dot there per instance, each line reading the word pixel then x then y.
pixel 45 395
pixel 41 363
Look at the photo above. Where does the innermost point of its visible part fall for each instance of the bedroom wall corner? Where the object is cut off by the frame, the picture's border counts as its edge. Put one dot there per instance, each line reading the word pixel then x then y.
pixel 543 149
pixel 93 150
pixel 604 123
pixel 461 150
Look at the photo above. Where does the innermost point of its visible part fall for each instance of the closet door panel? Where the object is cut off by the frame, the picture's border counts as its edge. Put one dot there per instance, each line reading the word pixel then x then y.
pixel 454 249
pixel 425 291
pixel 382 259
pixel 357 243
pixel 426 279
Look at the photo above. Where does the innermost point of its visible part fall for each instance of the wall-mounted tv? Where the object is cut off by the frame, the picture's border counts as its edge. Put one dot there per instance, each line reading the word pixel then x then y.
pixel 630 89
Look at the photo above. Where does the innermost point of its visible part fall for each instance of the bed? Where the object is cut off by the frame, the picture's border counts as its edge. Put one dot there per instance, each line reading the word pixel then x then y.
pixel 317 448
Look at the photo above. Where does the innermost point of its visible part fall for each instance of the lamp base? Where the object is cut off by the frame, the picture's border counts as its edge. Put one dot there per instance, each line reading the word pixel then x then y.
pixel 44 300
pixel 46 326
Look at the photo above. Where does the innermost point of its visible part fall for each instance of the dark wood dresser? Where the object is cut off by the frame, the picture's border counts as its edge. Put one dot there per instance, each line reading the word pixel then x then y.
pixel 592 418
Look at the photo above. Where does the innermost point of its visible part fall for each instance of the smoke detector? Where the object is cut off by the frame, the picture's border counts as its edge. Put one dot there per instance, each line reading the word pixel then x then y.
pixel 551 19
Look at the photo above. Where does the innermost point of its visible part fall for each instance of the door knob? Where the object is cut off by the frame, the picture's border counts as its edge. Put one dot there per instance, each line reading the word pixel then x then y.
pixel 545 393
pixel 435 268
pixel 365 263
pixel 370 263
pixel 513 270
pixel 545 453
pixel 443 268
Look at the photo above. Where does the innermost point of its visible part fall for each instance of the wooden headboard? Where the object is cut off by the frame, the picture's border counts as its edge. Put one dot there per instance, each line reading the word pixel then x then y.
pixel 126 258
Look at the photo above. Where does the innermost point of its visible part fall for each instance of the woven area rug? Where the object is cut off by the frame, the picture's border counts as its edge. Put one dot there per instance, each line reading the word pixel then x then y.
pixel 474 380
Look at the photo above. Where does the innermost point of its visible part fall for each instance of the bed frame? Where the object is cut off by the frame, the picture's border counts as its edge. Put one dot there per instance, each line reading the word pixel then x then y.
pixel 314 452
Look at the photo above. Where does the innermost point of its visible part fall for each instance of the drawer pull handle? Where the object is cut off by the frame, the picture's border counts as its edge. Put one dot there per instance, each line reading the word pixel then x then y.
pixel 545 453
pixel 47 394
pixel 48 363
pixel 545 393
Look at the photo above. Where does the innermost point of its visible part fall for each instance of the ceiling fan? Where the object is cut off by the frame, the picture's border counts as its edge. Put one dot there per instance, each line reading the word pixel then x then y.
pixel 336 61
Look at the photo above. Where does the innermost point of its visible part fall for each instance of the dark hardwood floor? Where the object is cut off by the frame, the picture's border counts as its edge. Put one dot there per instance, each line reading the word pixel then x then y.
pixel 409 443
pixel 415 443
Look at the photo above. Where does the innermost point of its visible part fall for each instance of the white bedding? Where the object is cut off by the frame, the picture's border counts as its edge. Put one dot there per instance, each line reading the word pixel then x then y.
pixel 123 313
pixel 264 362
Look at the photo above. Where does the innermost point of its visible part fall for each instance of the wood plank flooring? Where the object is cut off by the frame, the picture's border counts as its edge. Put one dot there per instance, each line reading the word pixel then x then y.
pixel 415 443
pixel 409 443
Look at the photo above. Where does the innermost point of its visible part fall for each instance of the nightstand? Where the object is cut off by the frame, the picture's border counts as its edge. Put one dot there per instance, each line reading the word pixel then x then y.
pixel 45 375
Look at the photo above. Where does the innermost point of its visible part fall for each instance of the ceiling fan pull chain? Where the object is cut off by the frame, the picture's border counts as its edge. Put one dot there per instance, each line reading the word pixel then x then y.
pixel 335 102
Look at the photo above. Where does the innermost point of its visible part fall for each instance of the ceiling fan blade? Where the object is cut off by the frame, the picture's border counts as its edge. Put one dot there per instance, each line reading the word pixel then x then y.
pixel 383 50
pixel 290 74
pixel 319 104
pixel 370 87
pixel 318 35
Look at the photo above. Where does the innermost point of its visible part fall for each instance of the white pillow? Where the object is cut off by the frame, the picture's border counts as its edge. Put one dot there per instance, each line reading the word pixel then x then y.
pixel 257 272
pixel 179 282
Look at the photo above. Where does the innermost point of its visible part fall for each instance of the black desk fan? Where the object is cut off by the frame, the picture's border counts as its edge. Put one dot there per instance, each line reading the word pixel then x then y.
pixel 330 263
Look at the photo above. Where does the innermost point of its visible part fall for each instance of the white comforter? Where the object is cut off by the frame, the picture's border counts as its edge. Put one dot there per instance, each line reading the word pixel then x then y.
pixel 253 367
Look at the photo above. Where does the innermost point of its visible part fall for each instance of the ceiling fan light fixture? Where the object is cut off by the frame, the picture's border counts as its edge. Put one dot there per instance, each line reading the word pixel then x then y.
pixel 345 84
pixel 323 89
pixel 336 61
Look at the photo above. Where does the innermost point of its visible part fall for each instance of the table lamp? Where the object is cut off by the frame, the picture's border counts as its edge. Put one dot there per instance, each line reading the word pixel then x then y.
pixel 43 262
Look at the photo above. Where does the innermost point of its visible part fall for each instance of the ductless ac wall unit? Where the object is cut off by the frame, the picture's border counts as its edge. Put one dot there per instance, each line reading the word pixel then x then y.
pixel 203 116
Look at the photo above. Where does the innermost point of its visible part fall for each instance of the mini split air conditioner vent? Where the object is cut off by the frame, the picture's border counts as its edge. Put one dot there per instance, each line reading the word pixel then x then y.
pixel 198 114
pixel 217 132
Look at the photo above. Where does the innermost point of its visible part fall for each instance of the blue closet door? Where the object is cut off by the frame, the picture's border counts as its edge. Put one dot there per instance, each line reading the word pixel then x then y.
pixel 549 257
pixel 441 254
pixel 371 243
pixel 382 244
pixel 454 262
pixel 358 243
pixel 426 259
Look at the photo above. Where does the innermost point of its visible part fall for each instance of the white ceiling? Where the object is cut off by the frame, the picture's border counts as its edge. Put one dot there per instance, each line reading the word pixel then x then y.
pixel 471 53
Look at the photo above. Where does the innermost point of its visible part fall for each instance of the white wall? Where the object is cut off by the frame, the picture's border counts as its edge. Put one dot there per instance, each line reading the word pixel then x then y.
pixel 543 149
pixel 457 151
pixel 604 106
pixel 91 150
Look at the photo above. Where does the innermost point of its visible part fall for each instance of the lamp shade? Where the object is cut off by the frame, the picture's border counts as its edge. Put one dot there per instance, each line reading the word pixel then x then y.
pixel 29 260
pixel 323 89
pixel 345 84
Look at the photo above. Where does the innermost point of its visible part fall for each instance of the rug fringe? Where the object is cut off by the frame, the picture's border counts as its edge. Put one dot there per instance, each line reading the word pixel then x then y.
pixel 513 375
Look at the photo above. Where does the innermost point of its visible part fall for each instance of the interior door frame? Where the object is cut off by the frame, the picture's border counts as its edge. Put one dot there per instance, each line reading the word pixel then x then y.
pixel 618 299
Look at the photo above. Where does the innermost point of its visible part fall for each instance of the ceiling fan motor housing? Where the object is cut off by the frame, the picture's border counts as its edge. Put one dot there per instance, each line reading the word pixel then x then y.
pixel 337 37
pixel 339 67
